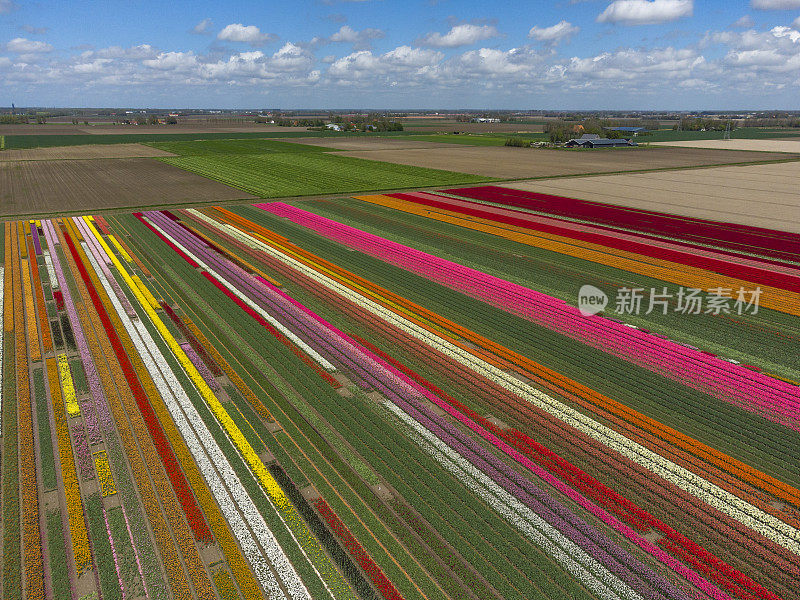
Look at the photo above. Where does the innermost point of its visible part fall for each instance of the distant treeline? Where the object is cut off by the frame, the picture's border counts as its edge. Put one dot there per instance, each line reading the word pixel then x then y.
pixel 564 131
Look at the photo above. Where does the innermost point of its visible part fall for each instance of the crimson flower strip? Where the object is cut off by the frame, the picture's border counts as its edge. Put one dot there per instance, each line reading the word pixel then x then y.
pixel 178 480
pixel 744 237
pixel 745 269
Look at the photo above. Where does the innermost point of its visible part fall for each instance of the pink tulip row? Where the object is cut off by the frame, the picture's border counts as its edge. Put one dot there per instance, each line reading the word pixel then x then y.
pixel 777 400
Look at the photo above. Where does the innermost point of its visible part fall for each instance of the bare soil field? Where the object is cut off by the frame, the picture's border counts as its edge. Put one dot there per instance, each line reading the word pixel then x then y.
pixel 43 187
pixel 513 163
pixel 83 152
pixel 783 145
pixel 364 143
pixel 758 195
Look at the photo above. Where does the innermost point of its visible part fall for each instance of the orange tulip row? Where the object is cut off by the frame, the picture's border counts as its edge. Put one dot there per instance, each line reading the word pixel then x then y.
pixel 44 325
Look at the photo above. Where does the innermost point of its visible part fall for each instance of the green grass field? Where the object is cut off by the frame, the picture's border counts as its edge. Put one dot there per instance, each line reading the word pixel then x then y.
pixel 247 146
pixel 301 173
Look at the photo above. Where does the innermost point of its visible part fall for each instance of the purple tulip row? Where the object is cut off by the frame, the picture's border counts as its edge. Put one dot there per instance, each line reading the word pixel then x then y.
pixel 85 462
pixel 369 374
pixel 754 391
pixel 205 372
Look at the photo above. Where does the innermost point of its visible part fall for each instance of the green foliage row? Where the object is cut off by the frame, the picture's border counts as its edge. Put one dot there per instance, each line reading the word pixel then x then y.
pixel 101 549
pixel 49 480
pixel 56 546
pixel 299 174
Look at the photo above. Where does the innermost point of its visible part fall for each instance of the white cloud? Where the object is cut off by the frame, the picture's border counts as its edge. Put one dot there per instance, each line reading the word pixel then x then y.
pixel 775 4
pixel 796 23
pixel 554 34
pixel 172 61
pixel 236 32
pixel 26 46
pixel 364 65
pixel 645 12
pixel 202 28
pixel 459 35
pixel 361 40
pixel 745 22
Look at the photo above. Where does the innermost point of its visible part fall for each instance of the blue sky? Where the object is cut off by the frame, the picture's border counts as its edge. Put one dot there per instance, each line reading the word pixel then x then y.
pixel 565 54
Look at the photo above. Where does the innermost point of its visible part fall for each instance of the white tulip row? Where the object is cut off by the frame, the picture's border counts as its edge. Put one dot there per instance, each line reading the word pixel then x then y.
pixel 51 272
pixel 212 463
pixel 268 317
pixel 589 571
pixel 735 507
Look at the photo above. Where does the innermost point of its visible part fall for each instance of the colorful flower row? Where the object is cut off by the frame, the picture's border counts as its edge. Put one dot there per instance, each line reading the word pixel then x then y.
pixel 356 550
pixel 104 476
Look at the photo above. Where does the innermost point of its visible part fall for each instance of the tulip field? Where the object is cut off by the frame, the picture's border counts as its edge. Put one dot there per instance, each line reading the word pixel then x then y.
pixel 397 397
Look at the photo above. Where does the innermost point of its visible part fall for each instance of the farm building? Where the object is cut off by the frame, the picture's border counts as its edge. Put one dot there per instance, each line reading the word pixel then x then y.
pixel 598 142
pixel 631 130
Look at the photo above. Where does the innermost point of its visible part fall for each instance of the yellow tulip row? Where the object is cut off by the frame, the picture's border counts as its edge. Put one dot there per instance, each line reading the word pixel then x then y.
pixel 31 538
pixel 120 248
pixel 68 387
pixel 219 526
pixel 285 508
pixel 146 293
pixel 77 524
pixel 104 476
pixel 170 557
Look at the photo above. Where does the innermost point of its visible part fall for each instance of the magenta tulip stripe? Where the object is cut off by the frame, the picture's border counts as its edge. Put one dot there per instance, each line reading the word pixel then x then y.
pixel 767 396
pixel 320 402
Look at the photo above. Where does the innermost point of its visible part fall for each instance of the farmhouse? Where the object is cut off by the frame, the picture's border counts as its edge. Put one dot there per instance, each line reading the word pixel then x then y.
pixel 595 141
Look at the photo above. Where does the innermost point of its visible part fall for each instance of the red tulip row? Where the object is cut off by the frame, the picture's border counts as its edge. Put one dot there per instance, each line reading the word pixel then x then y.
pixel 184 493
pixel 356 550
pixel 727 235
